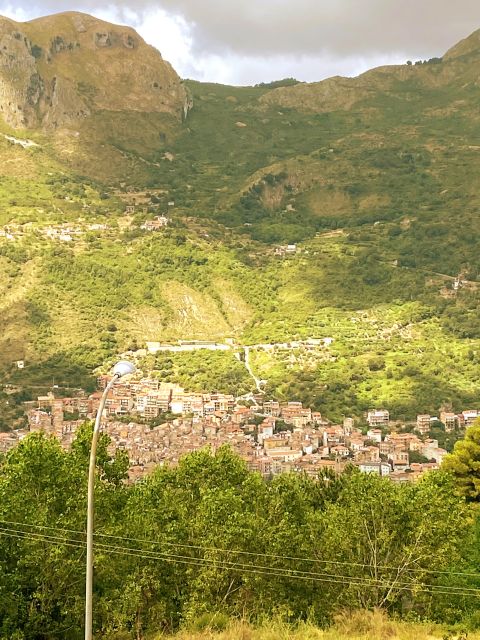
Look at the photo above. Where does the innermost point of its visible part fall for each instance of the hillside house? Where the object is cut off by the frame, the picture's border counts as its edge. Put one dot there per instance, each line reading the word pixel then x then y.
pixel 277 440
pixel 415 444
pixel 432 451
pixel 379 468
pixel 284 454
pixel 271 408
pixel 375 435
pixel 400 460
pixel 367 454
pixel 469 417
pixel 340 451
pixel 385 448
pixel 218 402
pixel 449 419
pixel 187 404
pixel 39 420
pixel 265 430
pixel 356 444
pixel 424 466
pixel 79 404
pixel 102 381
pixel 270 467
pixel 150 403
pixel 119 405
pixel 313 436
pixel 45 402
pixel 423 423
pixel 8 440
pixel 401 441
pixel 378 418
pixel 158 223
pixel 242 415
pixel 295 413
pixel 286 250
pixel 333 436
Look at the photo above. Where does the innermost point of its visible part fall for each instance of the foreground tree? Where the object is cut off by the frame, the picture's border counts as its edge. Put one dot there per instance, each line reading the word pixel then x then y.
pixel 42 517
pixel 464 463
pixel 209 537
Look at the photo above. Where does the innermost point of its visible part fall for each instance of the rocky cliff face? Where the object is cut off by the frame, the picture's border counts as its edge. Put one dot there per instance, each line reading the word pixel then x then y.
pixel 62 68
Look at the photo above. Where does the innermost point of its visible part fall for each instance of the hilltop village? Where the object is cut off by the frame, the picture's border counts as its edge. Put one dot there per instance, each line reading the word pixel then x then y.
pixel 156 423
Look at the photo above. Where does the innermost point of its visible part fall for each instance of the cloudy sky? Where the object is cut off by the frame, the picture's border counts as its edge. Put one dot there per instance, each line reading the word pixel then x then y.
pixel 250 41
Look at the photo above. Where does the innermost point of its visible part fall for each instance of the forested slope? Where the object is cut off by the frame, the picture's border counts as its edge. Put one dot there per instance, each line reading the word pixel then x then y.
pixel 374 179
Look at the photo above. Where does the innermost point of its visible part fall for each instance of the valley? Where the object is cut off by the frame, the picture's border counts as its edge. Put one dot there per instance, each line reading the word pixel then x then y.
pixel 288 216
pixel 292 269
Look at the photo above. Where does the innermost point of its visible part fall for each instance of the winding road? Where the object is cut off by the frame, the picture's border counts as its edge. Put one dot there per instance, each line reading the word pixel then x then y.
pixel 258 382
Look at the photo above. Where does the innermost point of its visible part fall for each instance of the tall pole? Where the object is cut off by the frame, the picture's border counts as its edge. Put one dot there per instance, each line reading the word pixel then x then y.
pixel 90 510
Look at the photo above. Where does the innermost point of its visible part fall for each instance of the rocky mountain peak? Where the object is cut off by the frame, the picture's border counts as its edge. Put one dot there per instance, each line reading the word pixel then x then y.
pixel 61 68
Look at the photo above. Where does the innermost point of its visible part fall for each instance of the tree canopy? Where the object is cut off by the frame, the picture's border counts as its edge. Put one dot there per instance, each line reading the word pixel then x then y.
pixel 464 463
pixel 210 536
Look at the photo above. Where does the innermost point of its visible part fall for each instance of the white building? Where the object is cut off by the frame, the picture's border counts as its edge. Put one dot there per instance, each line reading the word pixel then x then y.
pixel 378 418
pixel 380 468
pixel 375 435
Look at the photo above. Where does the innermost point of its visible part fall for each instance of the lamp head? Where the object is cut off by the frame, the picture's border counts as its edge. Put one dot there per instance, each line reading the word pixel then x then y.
pixel 123 368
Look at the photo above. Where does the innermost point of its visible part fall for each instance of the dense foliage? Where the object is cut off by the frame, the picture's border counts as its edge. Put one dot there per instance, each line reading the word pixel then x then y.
pixel 211 537
pixel 464 463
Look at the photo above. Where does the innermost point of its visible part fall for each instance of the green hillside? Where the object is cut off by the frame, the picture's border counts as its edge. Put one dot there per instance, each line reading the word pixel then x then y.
pixel 375 179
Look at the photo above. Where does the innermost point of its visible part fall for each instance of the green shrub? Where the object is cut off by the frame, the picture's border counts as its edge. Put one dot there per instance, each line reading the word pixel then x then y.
pixel 216 621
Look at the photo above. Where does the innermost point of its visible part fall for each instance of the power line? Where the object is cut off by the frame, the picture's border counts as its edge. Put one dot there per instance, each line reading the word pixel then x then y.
pixel 249 553
pixel 255 569
pixel 272 571
pixel 65 541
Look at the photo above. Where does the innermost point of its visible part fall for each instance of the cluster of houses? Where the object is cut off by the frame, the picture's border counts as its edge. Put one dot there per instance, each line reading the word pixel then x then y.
pixel 134 202
pixel 158 223
pixel 451 421
pixel 151 201
pixel 272 437
pixel 60 232
pixel 70 232
pixel 286 250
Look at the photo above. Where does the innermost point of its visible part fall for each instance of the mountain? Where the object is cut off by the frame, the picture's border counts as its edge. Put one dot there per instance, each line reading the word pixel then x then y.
pixel 466 47
pixel 62 68
pixel 374 179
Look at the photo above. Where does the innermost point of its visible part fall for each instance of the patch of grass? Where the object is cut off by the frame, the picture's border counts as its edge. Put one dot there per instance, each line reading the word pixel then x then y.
pixel 358 625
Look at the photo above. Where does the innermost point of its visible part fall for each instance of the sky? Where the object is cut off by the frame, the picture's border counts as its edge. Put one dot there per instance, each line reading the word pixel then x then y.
pixel 250 41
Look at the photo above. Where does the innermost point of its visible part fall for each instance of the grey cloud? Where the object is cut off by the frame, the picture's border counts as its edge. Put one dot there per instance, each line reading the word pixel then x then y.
pixel 343 27
pixel 312 27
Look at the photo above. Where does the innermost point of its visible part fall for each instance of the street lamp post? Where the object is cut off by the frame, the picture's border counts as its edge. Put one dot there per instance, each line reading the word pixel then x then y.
pixel 121 369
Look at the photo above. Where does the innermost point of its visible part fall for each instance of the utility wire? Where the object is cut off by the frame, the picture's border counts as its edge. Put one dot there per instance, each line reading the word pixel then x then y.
pixel 255 569
pixel 168 558
pixel 248 553
pixel 159 555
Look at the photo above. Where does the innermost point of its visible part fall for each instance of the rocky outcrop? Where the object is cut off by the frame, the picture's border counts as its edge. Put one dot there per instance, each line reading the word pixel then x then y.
pixel 456 68
pixel 20 85
pixel 62 68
